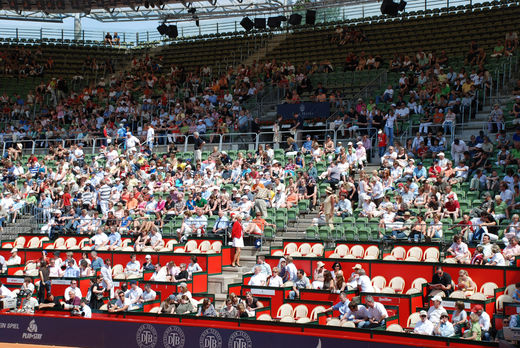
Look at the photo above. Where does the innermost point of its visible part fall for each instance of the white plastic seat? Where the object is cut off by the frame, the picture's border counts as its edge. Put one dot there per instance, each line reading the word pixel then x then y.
pixel 169 245
pixel 190 246
pixel 290 248
pixel 300 311
pixel 317 310
pixel 216 246
pixel 350 256
pixel 389 258
pixel 264 317
pixel 34 243
pixel 348 324
pixel 317 249
pixel 372 253
pixel 431 253
pixel 418 282
pixel 311 255
pixel 431 260
pixel 398 284
pixel 303 320
pixel 412 291
pixel 500 301
pixel 411 259
pixel 437 293
pixel 341 250
pixel 284 310
pixel 287 319
pixel 154 310
pixel 387 290
pixel 399 253
pixel 18 273
pixel 334 322
pixel 458 294
pixel 71 243
pixel 278 253
pixel 295 254
pixel 450 260
pixel 415 252
pixel 395 328
pixel 304 249
pixel 334 256
pixel 204 246
pixel 379 282
pixel 510 290
pixel 19 242
pixel 413 319
pixel 488 289
pixel 117 269
pixel 357 251
pixel 478 296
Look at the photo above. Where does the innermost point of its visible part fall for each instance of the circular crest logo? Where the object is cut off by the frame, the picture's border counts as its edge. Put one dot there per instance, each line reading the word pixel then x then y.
pixel 173 337
pixel 146 336
pixel 240 339
pixel 210 338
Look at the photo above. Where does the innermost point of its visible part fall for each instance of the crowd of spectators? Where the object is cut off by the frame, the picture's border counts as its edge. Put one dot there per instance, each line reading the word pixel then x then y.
pixel 23 62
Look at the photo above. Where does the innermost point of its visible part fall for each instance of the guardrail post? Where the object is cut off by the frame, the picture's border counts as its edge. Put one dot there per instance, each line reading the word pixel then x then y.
pixel 147 36
pixel 41 34
pixel 3 149
pixel 33 147
pixel 257 141
pixel 16 34
pixel 61 35
pixel 186 143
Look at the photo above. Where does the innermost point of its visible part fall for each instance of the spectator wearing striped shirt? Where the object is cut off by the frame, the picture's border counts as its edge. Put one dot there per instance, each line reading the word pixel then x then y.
pixel 103 196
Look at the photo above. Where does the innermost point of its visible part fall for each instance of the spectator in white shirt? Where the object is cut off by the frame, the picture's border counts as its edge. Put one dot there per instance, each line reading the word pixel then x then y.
pixel 459 250
pixel 135 295
pixel 5 292
pixel 258 278
pixel 275 280
pixel 434 313
pixel 356 313
pixel 73 287
pixel 14 259
pixel 133 267
pixel 148 293
pixel 122 304
pixel 377 314
pixel 423 326
pixel 364 283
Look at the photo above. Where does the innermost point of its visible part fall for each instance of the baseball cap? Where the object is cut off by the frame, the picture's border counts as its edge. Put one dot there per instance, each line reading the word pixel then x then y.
pixel 357 266
pixel 423 313
pixel 476 308
pixel 437 298
pixel 147 257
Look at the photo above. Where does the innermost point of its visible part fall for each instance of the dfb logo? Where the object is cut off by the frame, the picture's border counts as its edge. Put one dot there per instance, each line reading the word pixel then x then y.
pixel 210 338
pixel 146 336
pixel 173 337
pixel 240 339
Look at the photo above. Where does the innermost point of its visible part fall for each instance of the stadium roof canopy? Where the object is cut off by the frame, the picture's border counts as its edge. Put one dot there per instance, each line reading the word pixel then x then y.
pixel 167 10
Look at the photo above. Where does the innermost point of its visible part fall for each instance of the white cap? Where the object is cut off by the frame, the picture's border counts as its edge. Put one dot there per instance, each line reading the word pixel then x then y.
pixel 147 257
pixel 14 250
pixel 437 298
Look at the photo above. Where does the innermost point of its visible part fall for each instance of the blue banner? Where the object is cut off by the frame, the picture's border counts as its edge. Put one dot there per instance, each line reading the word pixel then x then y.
pixel 307 110
pixel 120 333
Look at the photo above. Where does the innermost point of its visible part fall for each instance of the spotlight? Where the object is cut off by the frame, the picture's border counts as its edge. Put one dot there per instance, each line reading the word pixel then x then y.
pixel 260 23
pixel 391 8
pixel 310 17
pixel 172 32
pixel 276 22
pixel 247 23
pixel 295 19
pixel 147 4
pixel 162 29
pixel 192 10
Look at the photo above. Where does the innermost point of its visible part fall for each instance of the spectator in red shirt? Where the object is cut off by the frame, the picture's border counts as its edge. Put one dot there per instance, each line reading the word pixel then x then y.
pixel 381 143
pixel 452 208
pixel 434 171
pixel 466 226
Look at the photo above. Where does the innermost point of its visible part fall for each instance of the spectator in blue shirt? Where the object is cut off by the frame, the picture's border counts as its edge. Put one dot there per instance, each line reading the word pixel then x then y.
pixel 342 305
pixel 72 271
pixel 97 262
pixel 419 173
pixel 307 145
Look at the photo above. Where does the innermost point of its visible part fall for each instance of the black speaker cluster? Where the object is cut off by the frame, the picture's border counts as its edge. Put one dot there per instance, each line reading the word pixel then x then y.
pixel 169 30
pixel 276 22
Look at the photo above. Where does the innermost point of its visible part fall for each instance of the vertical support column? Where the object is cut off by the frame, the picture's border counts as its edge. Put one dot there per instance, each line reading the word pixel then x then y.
pixel 77 27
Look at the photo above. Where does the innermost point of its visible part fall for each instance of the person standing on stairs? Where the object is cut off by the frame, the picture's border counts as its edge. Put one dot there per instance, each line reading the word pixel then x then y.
pixel 238 239
pixel 328 206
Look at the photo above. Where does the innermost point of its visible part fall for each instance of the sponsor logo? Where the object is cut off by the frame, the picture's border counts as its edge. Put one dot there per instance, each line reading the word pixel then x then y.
pixel 240 339
pixel 146 336
pixel 210 338
pixel 173 337
pixel 32 332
